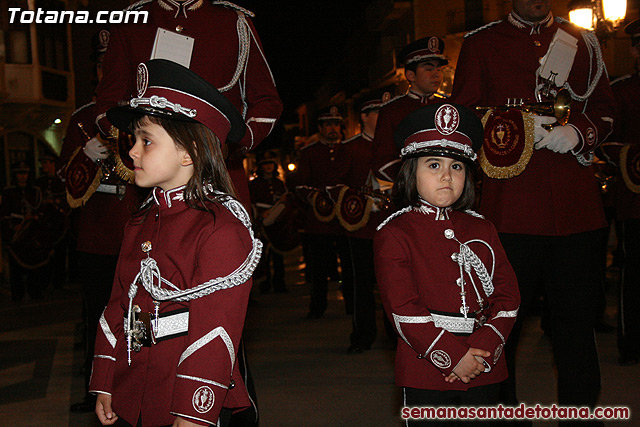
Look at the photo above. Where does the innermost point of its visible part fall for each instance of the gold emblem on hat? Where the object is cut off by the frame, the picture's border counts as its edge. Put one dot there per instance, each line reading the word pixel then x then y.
pixel 333 111
pixel 434 44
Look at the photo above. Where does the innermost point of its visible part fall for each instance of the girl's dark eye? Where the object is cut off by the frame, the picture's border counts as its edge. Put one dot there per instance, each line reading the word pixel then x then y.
pixel 146 142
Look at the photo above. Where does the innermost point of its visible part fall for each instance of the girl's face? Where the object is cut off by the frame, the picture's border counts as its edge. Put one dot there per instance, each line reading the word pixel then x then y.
pixel 157 160
pixel 440 180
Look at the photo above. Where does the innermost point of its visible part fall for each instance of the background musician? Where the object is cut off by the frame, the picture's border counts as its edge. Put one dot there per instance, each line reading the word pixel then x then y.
pixel 548 211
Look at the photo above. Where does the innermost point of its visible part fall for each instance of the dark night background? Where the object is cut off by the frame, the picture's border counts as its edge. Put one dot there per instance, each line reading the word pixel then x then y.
pixel 303 41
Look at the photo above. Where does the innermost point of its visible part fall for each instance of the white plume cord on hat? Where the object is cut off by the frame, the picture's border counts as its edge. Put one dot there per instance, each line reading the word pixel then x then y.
pixel 149 271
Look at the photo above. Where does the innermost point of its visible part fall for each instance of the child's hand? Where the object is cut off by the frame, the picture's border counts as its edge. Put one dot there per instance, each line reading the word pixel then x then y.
pixel 469 367
pixel 103 410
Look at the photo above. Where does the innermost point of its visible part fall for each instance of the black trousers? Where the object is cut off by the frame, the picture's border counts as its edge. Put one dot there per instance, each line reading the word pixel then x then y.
pixel 628 325
pixel 568 269
pixel 486 395
pixel 95 273
pixel 364 303
pixel 322 248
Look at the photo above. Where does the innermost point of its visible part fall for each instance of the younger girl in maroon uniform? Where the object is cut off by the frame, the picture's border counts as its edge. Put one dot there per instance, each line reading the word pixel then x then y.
pixel 166 347
pixel 445 281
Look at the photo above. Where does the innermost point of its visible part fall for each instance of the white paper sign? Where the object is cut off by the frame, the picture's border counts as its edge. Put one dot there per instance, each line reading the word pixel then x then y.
pixel 556 64
pixel 172 46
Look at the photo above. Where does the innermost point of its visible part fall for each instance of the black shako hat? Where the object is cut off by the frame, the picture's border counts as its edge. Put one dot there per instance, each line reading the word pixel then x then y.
pixel 446 130
pixel 331 112
pixel 167 89
pixel 372 101
pixel 424 49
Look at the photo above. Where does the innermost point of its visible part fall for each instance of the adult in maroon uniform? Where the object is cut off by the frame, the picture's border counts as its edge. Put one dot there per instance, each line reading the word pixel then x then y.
pixel 323 164
pixel 626 139
pixel 101 221
pixel 423 61
pixel 266 189
pixel 549 215
pixel 359 150
pixel 233 63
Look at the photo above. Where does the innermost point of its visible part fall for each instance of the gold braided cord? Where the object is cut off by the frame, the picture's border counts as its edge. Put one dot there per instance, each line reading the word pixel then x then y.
pixel 505 172
pixel 624 154
pixel 123 172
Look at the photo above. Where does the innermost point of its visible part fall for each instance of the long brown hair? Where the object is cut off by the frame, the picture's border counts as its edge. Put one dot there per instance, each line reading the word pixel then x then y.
pixel 405 190
pixel 204 148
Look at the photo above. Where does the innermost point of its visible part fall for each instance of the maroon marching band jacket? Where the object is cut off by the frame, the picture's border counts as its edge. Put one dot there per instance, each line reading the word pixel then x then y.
pixel 555 195
pixel 102 219
pixel 214 58
pixel 359 150
pixel 626 131
pixel 322 165
pixel 385 161
pixel 188 375
pixel 418 278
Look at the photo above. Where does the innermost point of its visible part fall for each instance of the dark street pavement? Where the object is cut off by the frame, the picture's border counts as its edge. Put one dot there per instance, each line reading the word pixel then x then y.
pixel 303 375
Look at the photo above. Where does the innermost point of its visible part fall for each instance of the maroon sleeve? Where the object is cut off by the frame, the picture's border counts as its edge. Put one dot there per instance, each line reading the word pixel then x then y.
pixel 385 162
pixel 215 326
pixel 263 102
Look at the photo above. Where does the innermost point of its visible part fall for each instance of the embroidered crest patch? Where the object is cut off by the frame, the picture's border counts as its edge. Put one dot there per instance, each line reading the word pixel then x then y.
pixel 591 136
pixel 143 79
pixel 203 399
pixel 441 359
pixel 497 353
pixel 433 44
pixel 447 119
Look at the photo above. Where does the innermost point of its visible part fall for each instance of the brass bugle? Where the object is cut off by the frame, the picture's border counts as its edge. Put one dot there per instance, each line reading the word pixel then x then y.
pixel 560 107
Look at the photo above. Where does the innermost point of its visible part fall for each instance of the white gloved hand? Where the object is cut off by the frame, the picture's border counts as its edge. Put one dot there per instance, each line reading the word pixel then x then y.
pixel 560 140
pixel 541 132
pixel 95 149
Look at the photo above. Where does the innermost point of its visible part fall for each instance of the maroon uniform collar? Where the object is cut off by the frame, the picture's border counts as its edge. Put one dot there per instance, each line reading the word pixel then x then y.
pixel 532 27
pixel 177 6
pixel 434 212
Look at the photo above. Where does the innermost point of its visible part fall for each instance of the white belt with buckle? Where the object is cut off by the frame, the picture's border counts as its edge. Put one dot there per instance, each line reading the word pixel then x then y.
pixel 454 324
pixel 170 325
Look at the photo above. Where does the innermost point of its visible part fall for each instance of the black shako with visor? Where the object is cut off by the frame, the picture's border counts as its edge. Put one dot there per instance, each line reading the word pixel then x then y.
pixel 167 89
pixel 424 49
pixel 442 130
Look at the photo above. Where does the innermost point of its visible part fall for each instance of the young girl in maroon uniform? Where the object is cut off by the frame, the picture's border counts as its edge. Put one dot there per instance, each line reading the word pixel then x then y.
pixel 167 342
pixel 445 281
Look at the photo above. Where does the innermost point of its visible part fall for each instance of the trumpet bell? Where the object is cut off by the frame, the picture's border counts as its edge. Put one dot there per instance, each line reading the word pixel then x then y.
pixel 562 106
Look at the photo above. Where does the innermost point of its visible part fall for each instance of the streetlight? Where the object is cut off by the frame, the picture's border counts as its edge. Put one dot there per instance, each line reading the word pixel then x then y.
pixel 602 16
